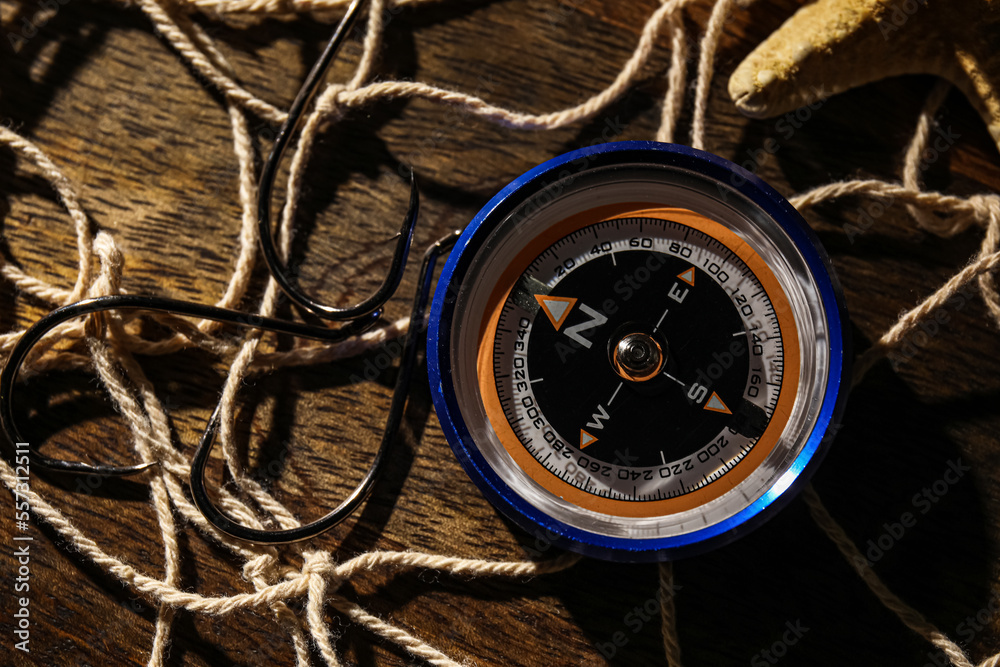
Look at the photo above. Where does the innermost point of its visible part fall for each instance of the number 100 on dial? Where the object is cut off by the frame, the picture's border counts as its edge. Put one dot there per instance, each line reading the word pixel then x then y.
pixel 637 350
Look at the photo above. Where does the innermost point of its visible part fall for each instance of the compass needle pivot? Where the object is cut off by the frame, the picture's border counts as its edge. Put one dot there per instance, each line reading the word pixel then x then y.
pixel 658 431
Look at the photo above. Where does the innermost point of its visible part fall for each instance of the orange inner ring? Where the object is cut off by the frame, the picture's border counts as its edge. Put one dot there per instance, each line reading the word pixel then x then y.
pixel 629 508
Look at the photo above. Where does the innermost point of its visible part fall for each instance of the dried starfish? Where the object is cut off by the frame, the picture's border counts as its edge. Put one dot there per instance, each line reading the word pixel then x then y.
pixel 833 45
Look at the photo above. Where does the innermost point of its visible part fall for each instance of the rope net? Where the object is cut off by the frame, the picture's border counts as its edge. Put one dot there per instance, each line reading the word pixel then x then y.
pixel 298 596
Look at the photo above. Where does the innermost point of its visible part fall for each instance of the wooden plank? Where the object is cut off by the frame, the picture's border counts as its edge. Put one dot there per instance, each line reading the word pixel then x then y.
pixel 149 147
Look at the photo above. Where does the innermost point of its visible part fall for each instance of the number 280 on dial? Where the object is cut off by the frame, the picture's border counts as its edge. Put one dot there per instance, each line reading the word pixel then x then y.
pixel 643 353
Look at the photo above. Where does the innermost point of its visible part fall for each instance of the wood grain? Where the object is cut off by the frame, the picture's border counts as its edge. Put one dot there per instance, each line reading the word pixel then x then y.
pixel 149 147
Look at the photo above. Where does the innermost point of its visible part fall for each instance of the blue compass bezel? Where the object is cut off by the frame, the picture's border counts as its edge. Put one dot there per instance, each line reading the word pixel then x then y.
pixel 729 177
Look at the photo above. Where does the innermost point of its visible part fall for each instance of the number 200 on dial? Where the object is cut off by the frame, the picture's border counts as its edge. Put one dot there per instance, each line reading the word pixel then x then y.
pixel 636 350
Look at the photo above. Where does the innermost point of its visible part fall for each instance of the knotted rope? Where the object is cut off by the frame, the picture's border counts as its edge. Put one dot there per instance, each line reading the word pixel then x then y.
pixel 318 577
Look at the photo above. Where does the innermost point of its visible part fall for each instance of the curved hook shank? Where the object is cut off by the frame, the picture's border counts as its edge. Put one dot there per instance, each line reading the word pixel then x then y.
pixel 364 487
pixel 266 187
pixel 8 376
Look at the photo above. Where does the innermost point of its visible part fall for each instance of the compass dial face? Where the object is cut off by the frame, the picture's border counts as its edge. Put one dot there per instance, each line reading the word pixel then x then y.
pixel 636 351
pixel 641 364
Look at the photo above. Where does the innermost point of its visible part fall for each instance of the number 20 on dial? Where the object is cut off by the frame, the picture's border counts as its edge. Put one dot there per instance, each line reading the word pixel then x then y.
pixel 637 350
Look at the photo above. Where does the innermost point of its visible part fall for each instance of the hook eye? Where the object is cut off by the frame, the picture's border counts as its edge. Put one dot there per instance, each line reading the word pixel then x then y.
pixel 199 463
pixel 9 374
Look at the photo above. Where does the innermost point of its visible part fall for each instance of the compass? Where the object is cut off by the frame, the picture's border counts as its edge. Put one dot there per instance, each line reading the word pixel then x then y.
pixel 636 351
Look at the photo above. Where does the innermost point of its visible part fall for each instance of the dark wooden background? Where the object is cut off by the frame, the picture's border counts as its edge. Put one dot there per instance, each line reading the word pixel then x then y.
pixel 148 145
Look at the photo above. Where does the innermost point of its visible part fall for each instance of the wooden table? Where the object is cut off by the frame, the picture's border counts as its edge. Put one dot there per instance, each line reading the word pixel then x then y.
pixel 148 145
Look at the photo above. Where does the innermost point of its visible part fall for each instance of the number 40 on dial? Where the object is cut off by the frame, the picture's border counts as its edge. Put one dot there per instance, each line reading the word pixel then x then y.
pixel 638 348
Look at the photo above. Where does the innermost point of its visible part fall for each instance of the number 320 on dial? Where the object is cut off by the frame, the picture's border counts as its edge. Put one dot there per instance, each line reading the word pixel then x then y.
pixel 631 361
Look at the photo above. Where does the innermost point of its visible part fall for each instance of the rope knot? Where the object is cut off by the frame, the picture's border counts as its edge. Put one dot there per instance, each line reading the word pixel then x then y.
pixel 112 263
pixel 985 209
pixel 260 569
pixel 329 105
pixel 319 564
pixel 957 216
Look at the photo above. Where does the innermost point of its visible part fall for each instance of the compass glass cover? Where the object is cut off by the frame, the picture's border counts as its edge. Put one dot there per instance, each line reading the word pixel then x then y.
pixel 636 350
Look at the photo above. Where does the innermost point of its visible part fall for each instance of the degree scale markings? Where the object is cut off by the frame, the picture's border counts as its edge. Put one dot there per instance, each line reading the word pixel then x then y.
pixel 660 242
pixel 715 403
pixel 639 378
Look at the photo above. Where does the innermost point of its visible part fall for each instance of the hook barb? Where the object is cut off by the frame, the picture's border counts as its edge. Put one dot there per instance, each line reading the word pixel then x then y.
pixel 395 417
pixel 11 370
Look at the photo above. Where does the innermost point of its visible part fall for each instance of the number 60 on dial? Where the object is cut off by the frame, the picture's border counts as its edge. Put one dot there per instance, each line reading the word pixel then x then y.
pixel 637 349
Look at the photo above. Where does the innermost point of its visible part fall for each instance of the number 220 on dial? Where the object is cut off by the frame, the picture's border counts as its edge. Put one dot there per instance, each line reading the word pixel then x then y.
pixel 641 364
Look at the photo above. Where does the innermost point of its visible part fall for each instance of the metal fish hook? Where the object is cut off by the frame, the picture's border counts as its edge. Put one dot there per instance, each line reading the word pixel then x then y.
pixel 399 395
pixel 359 317
pixel 9 374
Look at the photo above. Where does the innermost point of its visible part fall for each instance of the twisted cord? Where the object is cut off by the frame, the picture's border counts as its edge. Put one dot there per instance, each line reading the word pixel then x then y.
pixel 318 579
pixel 668 616
pixel 907 614
pixel 67 194
pixel 278 7
pixel 706 69
pixel 918 144
pixel 673 102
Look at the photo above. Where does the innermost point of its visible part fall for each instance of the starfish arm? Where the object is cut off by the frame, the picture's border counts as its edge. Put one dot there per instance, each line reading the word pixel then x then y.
pixel 979 79
pixel 833 45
